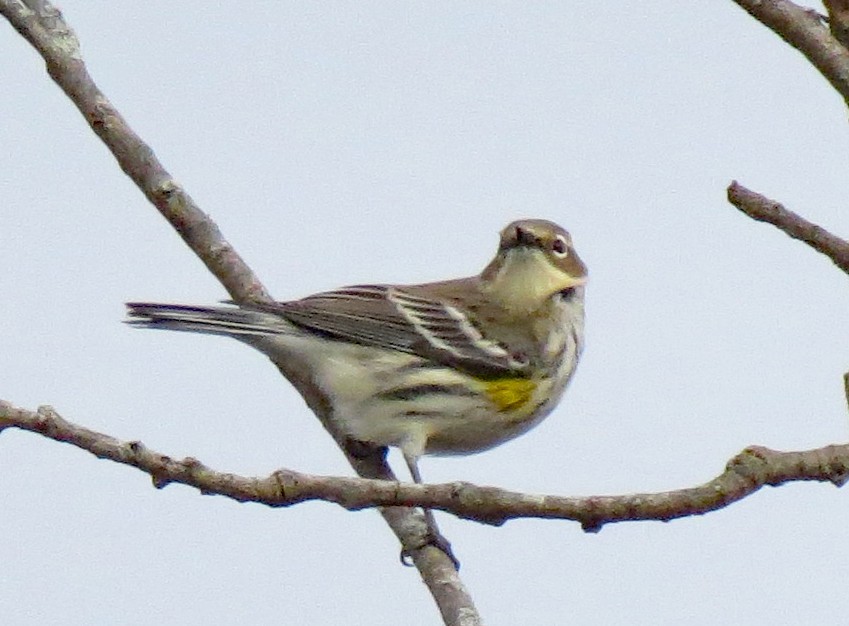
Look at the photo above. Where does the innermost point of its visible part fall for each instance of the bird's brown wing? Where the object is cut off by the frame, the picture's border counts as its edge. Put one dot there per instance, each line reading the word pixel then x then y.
pixel 402 319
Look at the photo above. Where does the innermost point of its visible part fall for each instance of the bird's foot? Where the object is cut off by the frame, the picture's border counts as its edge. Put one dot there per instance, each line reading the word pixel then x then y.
pixel 432 538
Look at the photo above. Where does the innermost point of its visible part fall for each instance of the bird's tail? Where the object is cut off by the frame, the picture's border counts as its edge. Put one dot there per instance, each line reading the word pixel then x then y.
pixel 228 321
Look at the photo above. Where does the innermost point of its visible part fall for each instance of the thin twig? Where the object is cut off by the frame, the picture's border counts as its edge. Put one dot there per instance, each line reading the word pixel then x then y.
pixel 763 209
pixel 846 387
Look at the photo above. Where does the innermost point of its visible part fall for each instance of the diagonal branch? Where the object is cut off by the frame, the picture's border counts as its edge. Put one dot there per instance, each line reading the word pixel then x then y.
pixel 745 474
pixel 804 29
pixel 763 209
pixel 43 26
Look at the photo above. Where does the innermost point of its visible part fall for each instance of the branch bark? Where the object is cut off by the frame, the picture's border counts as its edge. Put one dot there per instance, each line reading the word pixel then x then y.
pixel 838 20
pixel 746 473
pixel 43 26
pixel 763 209
pixel 805 30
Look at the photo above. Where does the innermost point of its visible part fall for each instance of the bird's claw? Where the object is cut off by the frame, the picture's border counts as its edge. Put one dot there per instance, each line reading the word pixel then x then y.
pixel 432 538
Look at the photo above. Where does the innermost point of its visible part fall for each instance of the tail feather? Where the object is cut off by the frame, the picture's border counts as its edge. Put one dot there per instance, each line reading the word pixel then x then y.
pixel 228 321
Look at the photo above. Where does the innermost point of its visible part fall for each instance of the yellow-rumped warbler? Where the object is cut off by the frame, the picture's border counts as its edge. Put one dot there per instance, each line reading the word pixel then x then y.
pixel 451 367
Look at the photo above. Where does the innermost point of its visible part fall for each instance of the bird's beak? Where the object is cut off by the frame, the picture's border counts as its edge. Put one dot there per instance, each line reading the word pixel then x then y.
pixel 575 281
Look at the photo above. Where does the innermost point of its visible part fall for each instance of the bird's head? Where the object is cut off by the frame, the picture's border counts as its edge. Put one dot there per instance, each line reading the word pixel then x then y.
pixel 535 262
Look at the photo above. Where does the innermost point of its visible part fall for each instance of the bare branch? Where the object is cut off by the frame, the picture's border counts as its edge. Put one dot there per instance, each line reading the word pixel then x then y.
pixel 763 209
pixel 43 26
pixel 804 29
pixel 746 473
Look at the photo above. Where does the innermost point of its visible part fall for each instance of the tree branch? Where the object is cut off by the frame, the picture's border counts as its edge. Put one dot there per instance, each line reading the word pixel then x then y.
pixel 838 20
pixel 805 30
pixel 763 209
pixel 43 26
pixel 744 474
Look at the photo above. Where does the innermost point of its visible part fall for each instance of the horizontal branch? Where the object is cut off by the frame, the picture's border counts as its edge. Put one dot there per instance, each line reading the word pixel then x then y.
pixel 747 472
pixel 804 29
pixel 763 209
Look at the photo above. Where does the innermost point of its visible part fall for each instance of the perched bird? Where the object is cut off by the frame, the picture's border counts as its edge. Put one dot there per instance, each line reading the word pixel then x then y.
pixel 452 367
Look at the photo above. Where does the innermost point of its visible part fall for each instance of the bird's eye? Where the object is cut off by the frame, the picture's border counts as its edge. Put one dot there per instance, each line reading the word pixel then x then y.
pixel 559 246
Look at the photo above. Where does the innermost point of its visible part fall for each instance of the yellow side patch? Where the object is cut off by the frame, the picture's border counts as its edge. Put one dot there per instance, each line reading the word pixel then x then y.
pixel 510 394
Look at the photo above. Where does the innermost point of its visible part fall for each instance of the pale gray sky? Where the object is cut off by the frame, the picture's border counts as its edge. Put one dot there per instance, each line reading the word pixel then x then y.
pixel 350 142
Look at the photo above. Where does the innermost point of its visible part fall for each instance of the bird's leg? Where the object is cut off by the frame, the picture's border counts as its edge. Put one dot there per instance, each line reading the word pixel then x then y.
pixel 433 537
pixel 360 450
